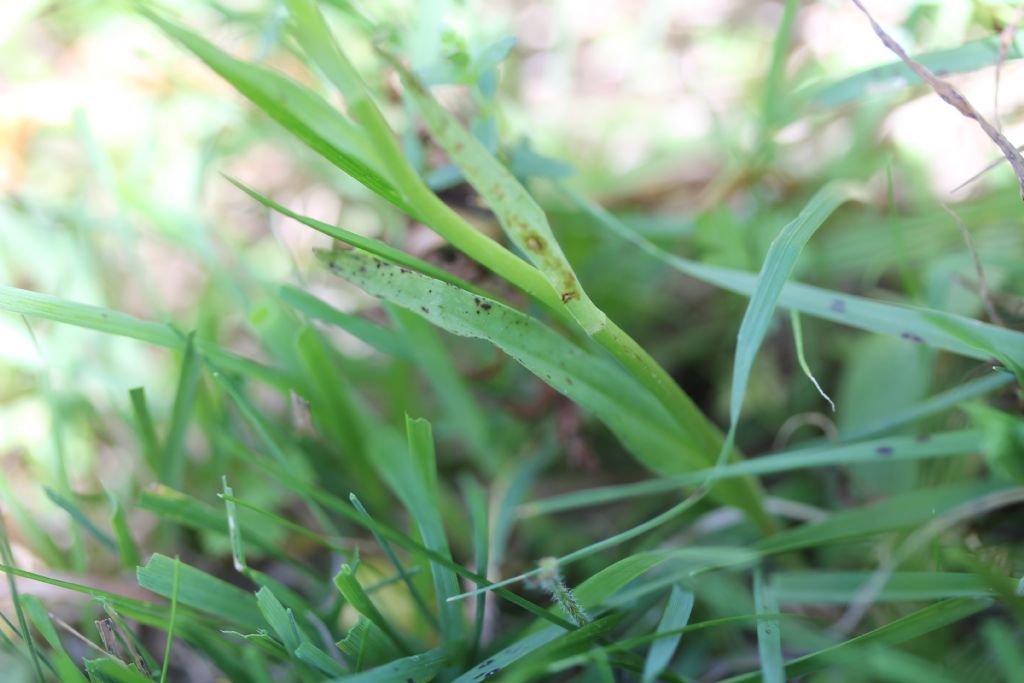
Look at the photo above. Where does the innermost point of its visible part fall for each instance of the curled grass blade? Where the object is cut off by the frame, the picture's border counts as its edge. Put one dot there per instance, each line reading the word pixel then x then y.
pixel 778 264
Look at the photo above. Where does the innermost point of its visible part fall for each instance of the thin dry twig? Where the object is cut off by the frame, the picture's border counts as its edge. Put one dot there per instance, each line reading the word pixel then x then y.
pixel 1005 39
pixel 952 97
pixel 986 297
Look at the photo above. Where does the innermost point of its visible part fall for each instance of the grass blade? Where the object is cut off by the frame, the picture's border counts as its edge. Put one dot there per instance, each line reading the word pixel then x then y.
pixel 913 324
pixel 300 111
pixel 898 448
pixel 171 619
pixel 384 340
pixel 62 662
pixel 970 56
pixel 676 615
pixel 778 264
pixel 81 519
pixel 769 637
pixel 520 216
pixel 838 587
pixel 201 591
pixel 172 458
pixel 616 398
pixel 906 628
pixel 36 305
pixel 356 596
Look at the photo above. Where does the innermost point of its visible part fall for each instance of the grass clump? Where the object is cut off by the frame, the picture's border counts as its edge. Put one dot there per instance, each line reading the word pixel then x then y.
pixel 456 464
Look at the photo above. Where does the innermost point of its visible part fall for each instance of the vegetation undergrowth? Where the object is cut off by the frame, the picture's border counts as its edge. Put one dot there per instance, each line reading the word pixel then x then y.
pixel 347 479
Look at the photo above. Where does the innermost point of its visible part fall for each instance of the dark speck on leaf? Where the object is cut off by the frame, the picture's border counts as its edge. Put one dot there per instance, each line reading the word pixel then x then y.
pixel 838 305
pixel 405 270
pixel 922 438
pixel 884 451
pixel 911 337
pixel 424 309
pixel 486 306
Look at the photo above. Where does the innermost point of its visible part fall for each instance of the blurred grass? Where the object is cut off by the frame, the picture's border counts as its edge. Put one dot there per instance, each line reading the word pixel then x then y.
pixel 165 331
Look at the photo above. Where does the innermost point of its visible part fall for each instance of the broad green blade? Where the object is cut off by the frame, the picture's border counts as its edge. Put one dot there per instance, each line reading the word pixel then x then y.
pixel 769 637
pixel 411 472
pixel 841 587
pixel 201 591
pixel 127 549
pixel 415 669
pixel 594 382
pixel 902 511
pixel 676 615
pixel 350 588
pixel 523 220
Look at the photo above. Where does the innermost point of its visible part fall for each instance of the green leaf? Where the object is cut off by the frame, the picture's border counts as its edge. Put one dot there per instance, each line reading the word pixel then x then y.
pixel 381 338
pixel 144 428
pixel 970 56
pixel 841 587
pixel 310 654
pixel 913 625
pixel 902 511
pixel 769 636
pixel 113 671
pixel 415 669
pixel 81 519
pixel 36 305
pixel 356 596
pixel 523 220
pixel 412 474
pixel 173 456
pixel 896 448
pixel 300 111
pixel 778 264
pixel 127 550
pixel 676 615
pixel 462 408
pixel 385 251
pixel 64 665
pixel 913 324
pixel 597 384
pixel 201 591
